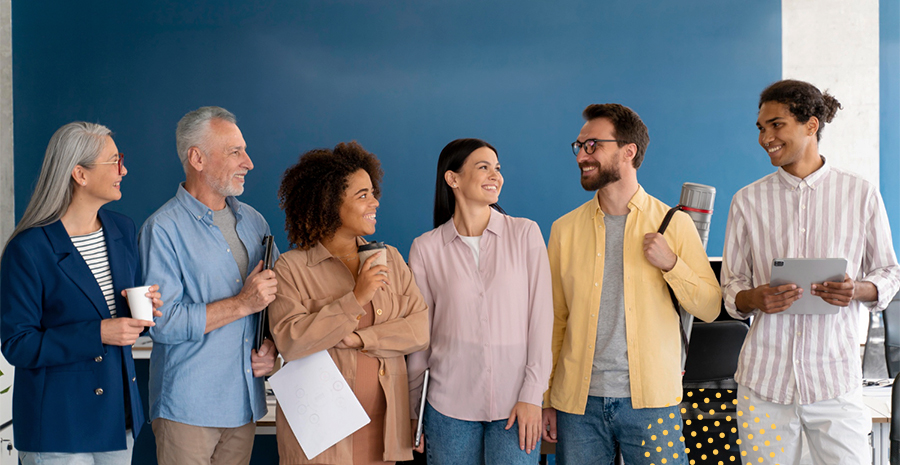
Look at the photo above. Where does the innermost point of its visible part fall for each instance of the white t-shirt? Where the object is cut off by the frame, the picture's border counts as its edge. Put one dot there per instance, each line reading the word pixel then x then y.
pixel 474 243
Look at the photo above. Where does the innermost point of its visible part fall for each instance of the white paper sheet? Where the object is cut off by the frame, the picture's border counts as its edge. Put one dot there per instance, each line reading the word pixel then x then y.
pixel 317 402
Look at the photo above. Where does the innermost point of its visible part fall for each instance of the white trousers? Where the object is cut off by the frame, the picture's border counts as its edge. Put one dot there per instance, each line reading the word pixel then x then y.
pixel 837 430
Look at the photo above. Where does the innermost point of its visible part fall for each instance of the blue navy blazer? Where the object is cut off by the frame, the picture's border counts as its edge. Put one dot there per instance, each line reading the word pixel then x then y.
pixel 71 390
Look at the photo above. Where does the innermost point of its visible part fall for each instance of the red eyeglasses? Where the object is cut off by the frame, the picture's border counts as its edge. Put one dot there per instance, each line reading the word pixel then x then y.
pixel 120 160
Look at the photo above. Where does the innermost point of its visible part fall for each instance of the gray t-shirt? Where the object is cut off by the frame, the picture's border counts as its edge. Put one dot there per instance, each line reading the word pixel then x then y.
pixel 225 221
pixel 609 374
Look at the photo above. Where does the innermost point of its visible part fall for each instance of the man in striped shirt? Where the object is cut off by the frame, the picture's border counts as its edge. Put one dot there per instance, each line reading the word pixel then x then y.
pixel 800 373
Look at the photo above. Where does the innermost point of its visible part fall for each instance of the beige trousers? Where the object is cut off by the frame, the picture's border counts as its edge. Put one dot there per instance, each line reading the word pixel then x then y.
pixel 181 444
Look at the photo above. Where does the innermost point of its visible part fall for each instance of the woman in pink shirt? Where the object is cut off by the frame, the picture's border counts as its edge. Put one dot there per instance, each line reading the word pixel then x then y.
pixel 486 279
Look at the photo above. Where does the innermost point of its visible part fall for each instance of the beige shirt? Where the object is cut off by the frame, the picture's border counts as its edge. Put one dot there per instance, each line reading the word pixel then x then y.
pixel 315 308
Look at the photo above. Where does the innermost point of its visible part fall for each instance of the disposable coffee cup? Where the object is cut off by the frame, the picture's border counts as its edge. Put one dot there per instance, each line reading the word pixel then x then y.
pixel 141 305
pixel 367 250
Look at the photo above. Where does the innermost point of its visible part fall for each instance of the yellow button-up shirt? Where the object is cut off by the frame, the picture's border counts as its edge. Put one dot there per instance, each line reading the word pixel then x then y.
pixel 576 250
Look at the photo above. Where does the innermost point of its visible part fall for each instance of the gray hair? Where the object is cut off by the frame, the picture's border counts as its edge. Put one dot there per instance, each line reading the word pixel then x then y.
pixel 77 143
pixel 193 130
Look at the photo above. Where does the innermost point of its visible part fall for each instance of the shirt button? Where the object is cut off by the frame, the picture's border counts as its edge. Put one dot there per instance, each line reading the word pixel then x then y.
pixel 246 340
pixel 381 372
pixel 228 250
pixel 237 280
pixel 98 358
pixel 358 317
pixel 378 311
pixel 802 229
pixel 803 207
pixel 599 254
pixel 98 391
pixel 596 284
pixel 799 333
pixel 593 315
pixel 248 371
pixel 585 377
pixel 134 380
pixel 364 351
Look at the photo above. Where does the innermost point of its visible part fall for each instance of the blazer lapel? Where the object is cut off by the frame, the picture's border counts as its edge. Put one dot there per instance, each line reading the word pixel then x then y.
pixel 116 250
pixel 74 266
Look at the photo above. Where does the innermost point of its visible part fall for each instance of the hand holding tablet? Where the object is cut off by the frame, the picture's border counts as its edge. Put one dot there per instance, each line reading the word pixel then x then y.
pixel 806 272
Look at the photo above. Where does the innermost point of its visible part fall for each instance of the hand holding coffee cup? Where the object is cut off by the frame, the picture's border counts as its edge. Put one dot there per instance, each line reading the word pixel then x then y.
pixel 372 248
pixel 141 306
pixel 372 276
pixel 143 302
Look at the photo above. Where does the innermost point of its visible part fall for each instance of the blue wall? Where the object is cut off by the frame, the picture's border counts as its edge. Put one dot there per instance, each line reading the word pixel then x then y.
pixel 889 30
pixel 403 79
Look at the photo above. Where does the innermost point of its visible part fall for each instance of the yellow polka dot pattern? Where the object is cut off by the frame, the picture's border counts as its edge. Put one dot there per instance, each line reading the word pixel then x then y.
pixel 727 454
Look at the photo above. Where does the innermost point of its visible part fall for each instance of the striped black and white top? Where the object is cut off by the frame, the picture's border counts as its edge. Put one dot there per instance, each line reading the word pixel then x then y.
pixel 93 249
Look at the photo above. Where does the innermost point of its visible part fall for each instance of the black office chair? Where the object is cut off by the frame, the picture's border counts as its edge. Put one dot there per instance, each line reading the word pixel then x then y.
pixel 709 411
pixel 891 318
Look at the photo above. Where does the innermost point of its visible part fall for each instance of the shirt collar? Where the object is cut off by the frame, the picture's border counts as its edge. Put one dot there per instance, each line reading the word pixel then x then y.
pixel 495 226
pixel 813 180
pixel 318 253
pixel 200 211
pixel 640 201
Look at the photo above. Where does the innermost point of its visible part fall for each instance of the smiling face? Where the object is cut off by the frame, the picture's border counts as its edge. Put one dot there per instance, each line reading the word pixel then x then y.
pixel 786 140
pixel 358 206
pixel 225 158
pixel 102 180
pixel 479 180
pixel 602 167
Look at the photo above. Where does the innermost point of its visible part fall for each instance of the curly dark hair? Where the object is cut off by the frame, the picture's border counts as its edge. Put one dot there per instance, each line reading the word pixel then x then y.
pixel 804 101
pixel 312 191
pixel 629 128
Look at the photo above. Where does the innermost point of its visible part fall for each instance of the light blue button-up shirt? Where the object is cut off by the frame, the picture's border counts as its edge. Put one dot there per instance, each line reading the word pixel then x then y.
pixel 195 378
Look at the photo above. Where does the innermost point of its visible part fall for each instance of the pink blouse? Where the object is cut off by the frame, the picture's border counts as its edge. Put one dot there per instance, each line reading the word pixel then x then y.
pixel 490 325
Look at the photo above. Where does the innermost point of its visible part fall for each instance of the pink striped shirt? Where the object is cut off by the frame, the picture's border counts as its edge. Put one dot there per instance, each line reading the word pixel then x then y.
pixel 829 214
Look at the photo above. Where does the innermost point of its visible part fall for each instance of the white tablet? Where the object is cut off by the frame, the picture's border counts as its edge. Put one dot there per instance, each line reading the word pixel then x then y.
pixel 804 272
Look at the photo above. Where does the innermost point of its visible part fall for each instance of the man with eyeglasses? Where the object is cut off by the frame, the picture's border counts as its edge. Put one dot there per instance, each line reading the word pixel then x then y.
pixel 204 246
pixel 616 379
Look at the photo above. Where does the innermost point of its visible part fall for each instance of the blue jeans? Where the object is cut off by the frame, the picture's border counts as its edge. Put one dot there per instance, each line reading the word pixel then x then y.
pixel 644 436
pixel 451 441
pixel 116 457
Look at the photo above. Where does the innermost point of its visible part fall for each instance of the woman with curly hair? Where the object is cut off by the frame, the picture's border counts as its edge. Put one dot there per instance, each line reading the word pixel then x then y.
pixel 486 279
pixel 367 316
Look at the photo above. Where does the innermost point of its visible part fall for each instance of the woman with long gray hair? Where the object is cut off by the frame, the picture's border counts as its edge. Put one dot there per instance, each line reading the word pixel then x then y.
pixel 64 321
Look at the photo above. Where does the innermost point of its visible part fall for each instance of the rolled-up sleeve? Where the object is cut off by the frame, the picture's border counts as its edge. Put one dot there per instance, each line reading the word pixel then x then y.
pixel 880 264
pixel 180 321
pixel 692 279
pixel 737 269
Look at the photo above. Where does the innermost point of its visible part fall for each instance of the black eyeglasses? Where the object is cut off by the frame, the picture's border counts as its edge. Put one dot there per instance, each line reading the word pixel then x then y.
pixel 120 160
pixel 590 145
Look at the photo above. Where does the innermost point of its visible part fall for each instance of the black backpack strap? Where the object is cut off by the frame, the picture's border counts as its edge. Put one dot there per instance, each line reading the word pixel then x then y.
pixel 665 221
pixel 662 230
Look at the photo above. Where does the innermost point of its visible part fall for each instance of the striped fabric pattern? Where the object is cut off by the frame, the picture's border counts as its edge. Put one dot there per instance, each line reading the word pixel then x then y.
pixel 93 249
pixel 829 214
